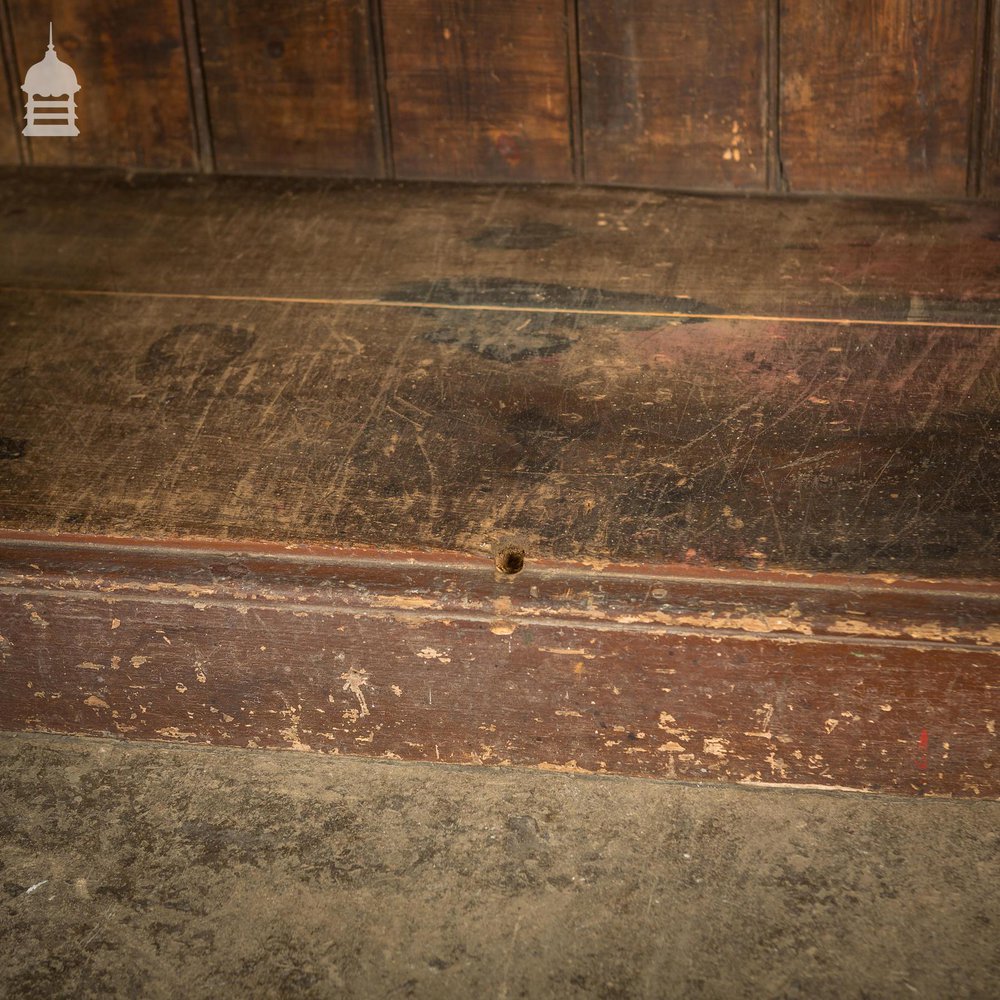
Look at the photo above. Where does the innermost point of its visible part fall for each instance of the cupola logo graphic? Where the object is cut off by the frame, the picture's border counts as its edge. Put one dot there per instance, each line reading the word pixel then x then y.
pixel 50 86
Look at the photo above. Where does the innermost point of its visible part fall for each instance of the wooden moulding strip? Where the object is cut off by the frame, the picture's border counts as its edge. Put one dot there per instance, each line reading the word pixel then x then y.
pixel 684 672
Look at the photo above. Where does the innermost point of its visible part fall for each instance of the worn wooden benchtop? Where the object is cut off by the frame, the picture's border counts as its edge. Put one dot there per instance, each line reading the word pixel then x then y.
pixel 748 448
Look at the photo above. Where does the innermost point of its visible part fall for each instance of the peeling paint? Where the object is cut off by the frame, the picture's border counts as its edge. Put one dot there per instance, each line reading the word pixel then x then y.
pixel 570 766
pixel 354 680
pixel 429 653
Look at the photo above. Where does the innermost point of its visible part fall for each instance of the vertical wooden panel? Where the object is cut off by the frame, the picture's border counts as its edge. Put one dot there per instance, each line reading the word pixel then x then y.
pixel 291 86
pixel 876 95
pixel 478 90
pixel 9 152
pixel 134 107
pixel 990 146
pixel 674 92
pixel 8 136
pixel 199 97
pixel 10 123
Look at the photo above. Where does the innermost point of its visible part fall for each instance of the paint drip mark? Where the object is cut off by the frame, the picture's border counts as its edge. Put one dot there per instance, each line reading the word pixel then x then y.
pixel 353 680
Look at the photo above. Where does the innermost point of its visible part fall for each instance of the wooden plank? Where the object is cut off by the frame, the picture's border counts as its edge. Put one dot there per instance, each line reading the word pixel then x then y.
pixel 478 90
pixel 700 677
pixel 876 96
pixel 718 442
pixel 857 259
pixel 291 87
pixel 10 108
pixel 674 92
pixel 990 145
pixel 134 106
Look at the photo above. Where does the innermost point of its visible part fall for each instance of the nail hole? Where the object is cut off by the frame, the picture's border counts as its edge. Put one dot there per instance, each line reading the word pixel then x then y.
pixel 510 561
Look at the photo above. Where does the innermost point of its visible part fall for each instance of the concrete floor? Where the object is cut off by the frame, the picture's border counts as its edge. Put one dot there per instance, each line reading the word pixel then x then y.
pixel 152 871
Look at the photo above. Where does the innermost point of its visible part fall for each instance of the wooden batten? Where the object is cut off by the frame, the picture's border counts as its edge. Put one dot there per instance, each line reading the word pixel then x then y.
pixel 665 671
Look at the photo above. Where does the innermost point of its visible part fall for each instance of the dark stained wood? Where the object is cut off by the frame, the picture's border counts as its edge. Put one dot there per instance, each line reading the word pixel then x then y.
pixel 876 96
pixel 199 95
pixel 887 97
pixel 8 139
pixel 582 248
pixel 990 145
pixel 291 87
pixel 699 676
pixel 674 92
pixel 479 90
pixel 757 531
pixel 721 442
pixel 9 152
pixel 134 107
pixel 10 110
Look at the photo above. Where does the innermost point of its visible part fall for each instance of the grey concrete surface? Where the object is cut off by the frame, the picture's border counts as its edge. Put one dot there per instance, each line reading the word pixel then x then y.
pixel 156 871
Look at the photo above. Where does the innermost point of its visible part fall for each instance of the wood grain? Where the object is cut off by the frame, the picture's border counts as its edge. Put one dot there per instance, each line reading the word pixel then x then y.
pixel 876 95
pixel 291 87
pixel 478 90
pixel 674 92
pixel 11 122
pixel 718 442
pixel 543 247
pixel 134 107
pixel 989 177
pixel 751 547
pixel 411 657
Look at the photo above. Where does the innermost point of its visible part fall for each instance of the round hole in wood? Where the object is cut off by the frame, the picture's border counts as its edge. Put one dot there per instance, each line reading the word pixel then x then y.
pixel 510 560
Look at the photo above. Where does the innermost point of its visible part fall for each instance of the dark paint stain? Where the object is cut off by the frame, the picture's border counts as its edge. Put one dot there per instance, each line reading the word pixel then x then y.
pixel 531 235
pixel 513 336
pixel 504 339
pixel 510 292
pixel 11 448
pixel 198 349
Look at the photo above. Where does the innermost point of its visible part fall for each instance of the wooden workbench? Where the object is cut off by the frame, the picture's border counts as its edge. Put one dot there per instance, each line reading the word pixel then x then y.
pixel 268 447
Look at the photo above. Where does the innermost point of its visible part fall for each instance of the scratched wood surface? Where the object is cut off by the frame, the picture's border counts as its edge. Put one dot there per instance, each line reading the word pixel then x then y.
pixel 552 247
pixel 674 93
pixel 690 676
pixel 723 442
pixel 509 382
pixel 877 96
pixel 134 107
pixel 436 382
pixel 269 68
pixel 478 90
